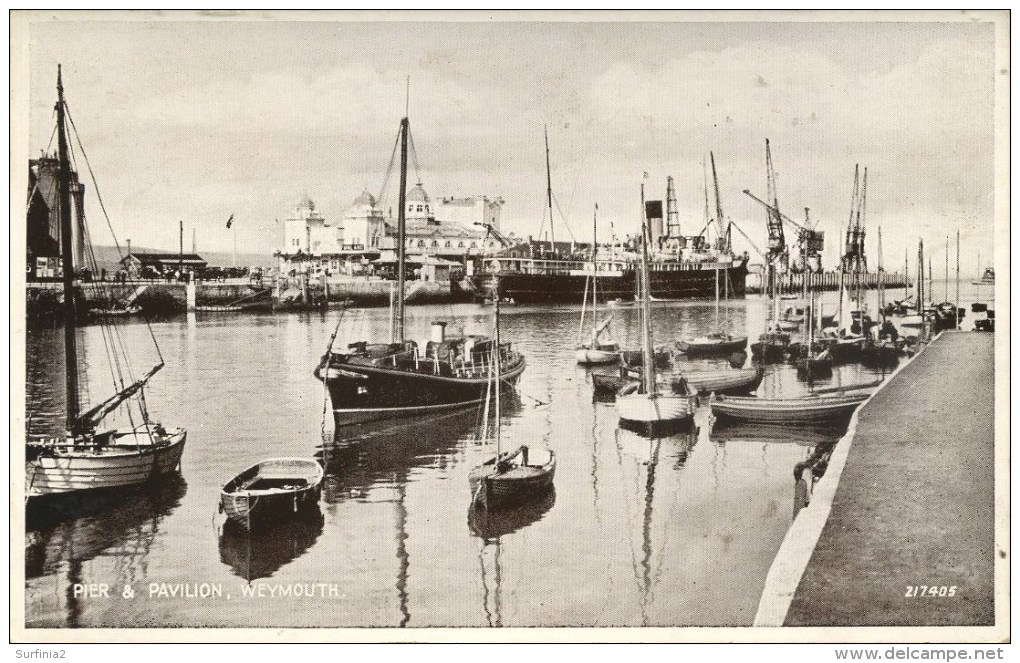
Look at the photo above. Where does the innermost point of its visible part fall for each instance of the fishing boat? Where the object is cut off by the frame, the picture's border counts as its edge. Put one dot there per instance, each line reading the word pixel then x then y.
pixel 272 490
pixel 87 458
pixel 641 405
pixel 597 350
pixel 827 409
pixel 374 381
pixel 508 478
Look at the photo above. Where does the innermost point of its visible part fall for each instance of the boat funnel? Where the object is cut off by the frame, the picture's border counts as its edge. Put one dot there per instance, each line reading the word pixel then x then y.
pixel 438 332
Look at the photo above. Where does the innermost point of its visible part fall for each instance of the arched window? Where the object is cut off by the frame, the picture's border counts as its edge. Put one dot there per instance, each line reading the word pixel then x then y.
pixel 460 245
pixel 419 208
pixel 435 244
pixel 449 244
pixel 474 245
pixel 421 244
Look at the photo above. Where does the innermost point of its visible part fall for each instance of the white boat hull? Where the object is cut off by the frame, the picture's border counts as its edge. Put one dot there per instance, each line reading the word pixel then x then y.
pixel 658 408
pixel 589 357
pixel 112 466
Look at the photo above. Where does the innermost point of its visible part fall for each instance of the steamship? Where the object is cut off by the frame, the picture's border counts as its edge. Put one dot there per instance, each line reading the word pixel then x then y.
pixel 681 267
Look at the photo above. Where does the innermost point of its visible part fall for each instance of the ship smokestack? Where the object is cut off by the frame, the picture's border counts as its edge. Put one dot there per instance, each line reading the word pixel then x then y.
pixel 438 332
pixel 653 211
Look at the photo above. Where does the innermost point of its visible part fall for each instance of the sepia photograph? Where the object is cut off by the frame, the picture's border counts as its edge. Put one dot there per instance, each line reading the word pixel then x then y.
pixel 534 326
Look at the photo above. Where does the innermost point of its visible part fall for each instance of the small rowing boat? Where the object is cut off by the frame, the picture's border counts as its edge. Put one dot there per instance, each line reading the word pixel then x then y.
pixel 272 490
pixel 830 410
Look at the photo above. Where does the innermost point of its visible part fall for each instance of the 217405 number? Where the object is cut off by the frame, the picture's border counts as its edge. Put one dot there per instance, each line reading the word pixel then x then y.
pixel 930 591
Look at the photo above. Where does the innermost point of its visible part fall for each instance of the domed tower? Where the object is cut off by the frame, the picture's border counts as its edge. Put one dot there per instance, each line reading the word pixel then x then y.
pixel 301 230
pixel 364 225
pixel 419 208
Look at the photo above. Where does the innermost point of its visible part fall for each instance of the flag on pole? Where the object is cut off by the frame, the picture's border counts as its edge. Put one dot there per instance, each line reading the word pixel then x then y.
pixel 230 221
pixel 646 175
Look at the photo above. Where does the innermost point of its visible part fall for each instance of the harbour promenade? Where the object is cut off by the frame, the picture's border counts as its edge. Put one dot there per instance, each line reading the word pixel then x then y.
pixel 912 497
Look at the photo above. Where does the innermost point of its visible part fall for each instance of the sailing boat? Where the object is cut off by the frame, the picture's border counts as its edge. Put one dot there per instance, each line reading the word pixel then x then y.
pixel 596 351
pixel 87 459
pixel 881 348
pixel 508 478
pixel 373 381
pixel 718 342
pixel 815 364
pixel 640 405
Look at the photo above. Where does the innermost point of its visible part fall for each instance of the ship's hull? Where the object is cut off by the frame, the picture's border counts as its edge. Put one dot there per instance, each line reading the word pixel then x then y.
pixel 364 393
pixel 669 281
pixel 63 473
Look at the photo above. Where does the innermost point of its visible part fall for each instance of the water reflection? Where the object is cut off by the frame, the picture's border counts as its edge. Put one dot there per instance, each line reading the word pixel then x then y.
pixel 62 535
pixel 490 527
pixel 260 554
pixel 360 458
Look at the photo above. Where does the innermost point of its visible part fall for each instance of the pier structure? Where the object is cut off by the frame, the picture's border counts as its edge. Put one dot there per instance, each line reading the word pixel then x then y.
pixel 791 283
pixel 901 529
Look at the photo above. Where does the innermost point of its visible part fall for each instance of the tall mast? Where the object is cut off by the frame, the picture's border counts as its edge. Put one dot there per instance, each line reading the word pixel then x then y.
pixel 881 281
pixel 496 369
pixel 920 277
pixel 67 256
pixel 958 278
pixel 595 267
pixel 946 289
pixel 548 191
pixel 648 363
pixel 398 328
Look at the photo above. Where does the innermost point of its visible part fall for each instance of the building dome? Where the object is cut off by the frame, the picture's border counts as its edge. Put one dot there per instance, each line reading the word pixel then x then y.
pixel 365 199
pixel 417 195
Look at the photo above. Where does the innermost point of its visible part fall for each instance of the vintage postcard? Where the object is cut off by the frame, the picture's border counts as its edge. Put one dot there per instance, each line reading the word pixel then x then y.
pixel 530 326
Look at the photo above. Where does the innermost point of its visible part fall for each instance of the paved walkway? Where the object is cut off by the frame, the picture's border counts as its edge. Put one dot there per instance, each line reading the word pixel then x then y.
pixel 915 503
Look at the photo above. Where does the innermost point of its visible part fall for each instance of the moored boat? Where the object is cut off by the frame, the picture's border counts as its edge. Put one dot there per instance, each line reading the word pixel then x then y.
pixel 372 381
pixel 508 478
pixel 826 409
pixel 87 458
pixel 711 345
pixel 640 406
pixel 272 490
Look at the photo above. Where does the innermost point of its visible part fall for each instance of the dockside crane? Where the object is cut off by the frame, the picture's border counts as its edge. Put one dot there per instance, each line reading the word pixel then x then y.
pixel 854 260
pixel 810 242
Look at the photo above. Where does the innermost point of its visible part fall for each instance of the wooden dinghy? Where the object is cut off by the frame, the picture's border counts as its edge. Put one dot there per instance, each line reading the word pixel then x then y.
pixel 830 410
pixel 722 381
pixel 504 481
pixel 272 490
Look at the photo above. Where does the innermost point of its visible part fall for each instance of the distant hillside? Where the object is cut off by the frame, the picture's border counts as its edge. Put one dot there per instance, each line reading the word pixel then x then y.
pixel 107 257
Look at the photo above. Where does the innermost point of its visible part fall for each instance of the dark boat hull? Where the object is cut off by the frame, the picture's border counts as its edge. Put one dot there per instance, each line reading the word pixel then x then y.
pixel 713 349
pixel 669 281
pixel 519 485
pixel 363 393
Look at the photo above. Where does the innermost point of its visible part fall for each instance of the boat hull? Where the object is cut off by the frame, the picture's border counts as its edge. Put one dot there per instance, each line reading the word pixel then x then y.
pixel 590 357
pixel 492 490
pixel 362 393
pixel 257 507
pixel 711 348
pixel 83 470
pixel 650 409
pixel 738 381
pixel 669 280
pixel 826 411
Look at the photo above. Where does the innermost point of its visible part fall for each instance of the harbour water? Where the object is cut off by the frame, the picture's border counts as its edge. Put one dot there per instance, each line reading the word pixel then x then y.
pixel 673 531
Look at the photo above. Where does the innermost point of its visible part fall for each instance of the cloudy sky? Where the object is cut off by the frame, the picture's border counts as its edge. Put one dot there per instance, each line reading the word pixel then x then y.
pixel 195 119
